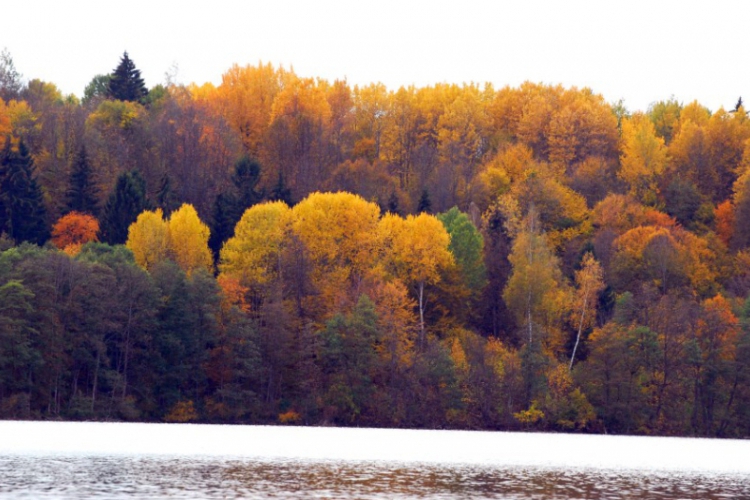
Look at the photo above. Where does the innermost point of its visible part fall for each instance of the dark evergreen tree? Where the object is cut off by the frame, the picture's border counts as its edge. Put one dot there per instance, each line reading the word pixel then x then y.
pixel 126 83
pixel 229 207
pixel 424 204
pixel 280 192
pixel 23 215
pixel 392 205
pixel 123 206
pixel 82 195
pixel 245 178
pixel 165 196
pixel 223 219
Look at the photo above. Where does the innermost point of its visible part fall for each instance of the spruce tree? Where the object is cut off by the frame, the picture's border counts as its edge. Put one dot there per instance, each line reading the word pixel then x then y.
pixel 245 178
pixel 126 83
pixel 23 215
pixel 223 219
pixel 392 205
pixel 229 207
pixel 82 195
pixel 165 196
pixel 123 206
pixel 425 204
pixel 280 192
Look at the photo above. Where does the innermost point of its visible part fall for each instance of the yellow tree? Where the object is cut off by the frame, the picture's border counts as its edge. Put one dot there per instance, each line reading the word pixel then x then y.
pixel 147 238
pixel 535 291
pixel 643 157
pixel 245 98
pixel 187 239
pixel 339 231
pixel 417 251
pixel 252 254
pixel 590 282
pixel 5 127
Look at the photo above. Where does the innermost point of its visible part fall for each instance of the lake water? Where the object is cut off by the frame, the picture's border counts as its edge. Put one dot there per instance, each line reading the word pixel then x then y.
pixel 117 460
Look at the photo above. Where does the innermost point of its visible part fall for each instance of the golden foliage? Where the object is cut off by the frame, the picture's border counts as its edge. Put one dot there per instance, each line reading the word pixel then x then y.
pixel 147 238
pixel 182 412
pixel 252 254
pixel 187 239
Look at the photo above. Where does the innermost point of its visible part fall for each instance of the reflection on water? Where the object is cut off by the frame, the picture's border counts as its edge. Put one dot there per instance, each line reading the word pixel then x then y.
pixel 215 477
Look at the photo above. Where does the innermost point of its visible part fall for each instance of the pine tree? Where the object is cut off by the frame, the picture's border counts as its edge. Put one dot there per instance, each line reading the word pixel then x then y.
pixel 245 178
pixel 123 206
pixel 229 207
pixel 223 219
pixel 165 196
pixel 82 195
pixel 392 206
pixel 22 211
pixel 280 192
pixel 126 83
pixel 425 204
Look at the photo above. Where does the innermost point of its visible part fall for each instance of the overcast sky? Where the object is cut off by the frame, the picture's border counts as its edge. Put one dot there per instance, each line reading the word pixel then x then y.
pixel 639 51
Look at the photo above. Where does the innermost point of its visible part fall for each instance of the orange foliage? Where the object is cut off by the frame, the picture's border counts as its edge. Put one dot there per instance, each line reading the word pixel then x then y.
pixel 619 213
pixel 233 293
pixel 718 329
pixel 656 218
pixel 725 221
pixel 74 230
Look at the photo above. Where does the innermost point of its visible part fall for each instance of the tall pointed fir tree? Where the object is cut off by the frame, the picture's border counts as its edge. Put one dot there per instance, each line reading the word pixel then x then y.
pixel 165 196
pixel 223 220
pixel 280 192
pixel 82 195
pixel 123 206
pixel 126 83
pixel 245 178
pixel 23 215
pixel 424 204
pixel 229 207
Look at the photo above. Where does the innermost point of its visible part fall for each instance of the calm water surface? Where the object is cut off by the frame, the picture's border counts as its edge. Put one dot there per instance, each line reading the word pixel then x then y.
pixel 93 460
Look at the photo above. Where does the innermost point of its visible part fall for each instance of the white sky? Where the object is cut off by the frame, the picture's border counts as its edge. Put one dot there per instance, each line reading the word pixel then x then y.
pixel 641 51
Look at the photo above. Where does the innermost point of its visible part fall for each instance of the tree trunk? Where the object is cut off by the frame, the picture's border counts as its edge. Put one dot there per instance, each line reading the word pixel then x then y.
pixel 580 328
pixel 421 314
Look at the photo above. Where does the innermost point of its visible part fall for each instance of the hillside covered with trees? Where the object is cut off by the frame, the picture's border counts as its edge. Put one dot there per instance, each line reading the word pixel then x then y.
pixel 284 249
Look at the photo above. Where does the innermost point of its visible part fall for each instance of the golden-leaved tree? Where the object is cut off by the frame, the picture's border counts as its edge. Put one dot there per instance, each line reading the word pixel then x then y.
pixel 416 252
pixel 188 240
pixel 339 233
pixel 643 158
pixel 183 239
pixel 147 238
pixel 252 255
pixel 536 292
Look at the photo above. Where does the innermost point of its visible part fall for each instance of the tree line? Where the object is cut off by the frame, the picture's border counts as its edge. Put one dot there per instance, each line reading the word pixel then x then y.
pixel 286 249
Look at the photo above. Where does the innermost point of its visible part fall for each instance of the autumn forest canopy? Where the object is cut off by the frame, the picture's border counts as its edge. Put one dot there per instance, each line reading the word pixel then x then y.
pixel 285 249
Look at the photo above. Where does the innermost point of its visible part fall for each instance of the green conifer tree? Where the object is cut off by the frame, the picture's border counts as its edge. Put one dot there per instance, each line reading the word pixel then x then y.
pixel 82 195
pixel 123 206
pixel 392 205
pixel 280 192
pixel 245 178
pixel 23 215
pixel 126 83
pixel 424 204
pixel 223 219
pixel 165 196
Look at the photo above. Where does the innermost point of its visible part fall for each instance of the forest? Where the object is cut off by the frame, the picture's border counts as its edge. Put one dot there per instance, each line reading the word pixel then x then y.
pixel 280 249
